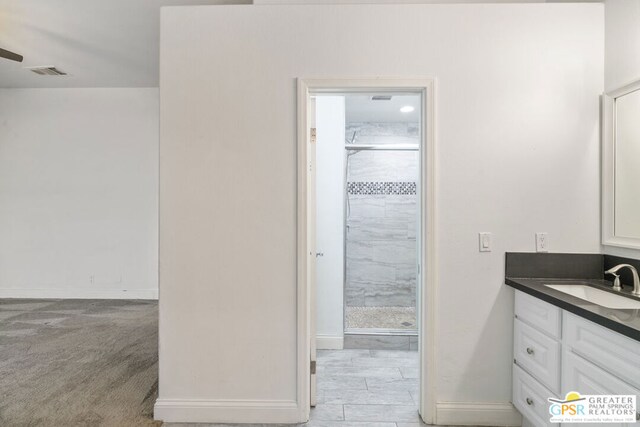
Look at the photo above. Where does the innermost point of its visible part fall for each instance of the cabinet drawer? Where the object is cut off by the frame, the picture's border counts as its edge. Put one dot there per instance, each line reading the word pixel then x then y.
pixel 530 398
pixel 538 354
pixel 586 378
pixel 610 350
pixel 538 313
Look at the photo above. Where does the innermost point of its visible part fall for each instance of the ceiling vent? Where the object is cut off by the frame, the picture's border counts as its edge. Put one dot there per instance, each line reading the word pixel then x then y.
pixel 47 71
pixel 381 98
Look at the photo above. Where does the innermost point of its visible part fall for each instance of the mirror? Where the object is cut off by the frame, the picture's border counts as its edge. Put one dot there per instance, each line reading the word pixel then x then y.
pixel 621 167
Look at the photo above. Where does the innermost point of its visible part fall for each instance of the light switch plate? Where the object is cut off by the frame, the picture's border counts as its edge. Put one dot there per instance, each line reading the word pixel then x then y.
pixel 542 242
pixel 484 240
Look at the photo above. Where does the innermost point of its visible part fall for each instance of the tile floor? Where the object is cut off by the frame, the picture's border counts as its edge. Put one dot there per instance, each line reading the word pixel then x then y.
pixel 367 388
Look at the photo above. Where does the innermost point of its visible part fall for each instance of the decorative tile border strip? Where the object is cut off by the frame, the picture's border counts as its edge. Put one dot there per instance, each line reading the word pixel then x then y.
pixel 381 188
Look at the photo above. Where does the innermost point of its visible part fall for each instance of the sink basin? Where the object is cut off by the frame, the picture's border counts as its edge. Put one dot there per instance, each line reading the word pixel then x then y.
pixel 597 296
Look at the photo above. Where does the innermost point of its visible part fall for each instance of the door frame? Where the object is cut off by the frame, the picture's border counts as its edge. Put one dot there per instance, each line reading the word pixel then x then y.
pixel 427 250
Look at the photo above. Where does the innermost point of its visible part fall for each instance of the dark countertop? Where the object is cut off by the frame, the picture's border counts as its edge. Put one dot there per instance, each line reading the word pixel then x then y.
pixel 626 322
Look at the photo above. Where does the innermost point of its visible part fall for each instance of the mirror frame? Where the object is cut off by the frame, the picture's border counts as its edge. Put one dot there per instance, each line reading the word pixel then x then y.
pixel 608 169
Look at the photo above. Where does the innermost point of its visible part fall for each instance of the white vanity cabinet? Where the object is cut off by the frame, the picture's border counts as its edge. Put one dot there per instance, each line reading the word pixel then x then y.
pixel 556 352
pixel 601 346
pixel 537 357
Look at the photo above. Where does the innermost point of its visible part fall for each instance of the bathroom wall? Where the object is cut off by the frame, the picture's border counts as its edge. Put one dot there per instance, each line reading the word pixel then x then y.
pixel 382 218
pixel 79 193
pixel 517 151
pixel 622 62
pixel 622 43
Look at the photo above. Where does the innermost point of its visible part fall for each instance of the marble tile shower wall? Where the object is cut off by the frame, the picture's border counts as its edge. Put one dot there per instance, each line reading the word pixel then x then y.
pixel 382 219
pixel 383 133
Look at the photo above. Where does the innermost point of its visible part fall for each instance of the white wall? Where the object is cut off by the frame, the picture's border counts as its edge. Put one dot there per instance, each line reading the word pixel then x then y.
pixel 622 62
pixel 78 193
pixel 622 43
pixel 330 125
pixel 517 152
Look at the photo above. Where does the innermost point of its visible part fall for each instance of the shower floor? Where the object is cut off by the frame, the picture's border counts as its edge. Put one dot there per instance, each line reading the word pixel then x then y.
pixel 396 318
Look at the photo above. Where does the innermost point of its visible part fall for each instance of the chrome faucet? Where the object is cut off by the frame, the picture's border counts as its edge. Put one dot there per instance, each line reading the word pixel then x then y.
pixel 634 273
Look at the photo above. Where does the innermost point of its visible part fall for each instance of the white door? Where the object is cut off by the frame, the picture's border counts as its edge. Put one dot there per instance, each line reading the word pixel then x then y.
pixel 311 149
pixel 328 174
pixel 330 192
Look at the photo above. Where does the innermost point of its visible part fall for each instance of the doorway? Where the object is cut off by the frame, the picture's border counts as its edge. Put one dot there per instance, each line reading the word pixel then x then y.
pixel 382 144
pixel 367 248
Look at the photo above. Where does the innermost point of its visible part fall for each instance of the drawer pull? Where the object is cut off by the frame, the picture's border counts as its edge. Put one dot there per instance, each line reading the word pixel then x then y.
pixel 530 350
pixel 529 401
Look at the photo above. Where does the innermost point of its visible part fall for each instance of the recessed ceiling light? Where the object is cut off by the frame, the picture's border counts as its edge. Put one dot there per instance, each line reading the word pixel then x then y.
pixel 407 109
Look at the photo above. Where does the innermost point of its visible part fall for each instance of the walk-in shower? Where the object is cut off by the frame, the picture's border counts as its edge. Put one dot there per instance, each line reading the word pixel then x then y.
pixel 381 217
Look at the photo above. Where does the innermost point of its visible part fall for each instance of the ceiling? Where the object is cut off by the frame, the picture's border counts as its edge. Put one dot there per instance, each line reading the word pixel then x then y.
pixel 361 108
pixel 100 43
pixel 418 1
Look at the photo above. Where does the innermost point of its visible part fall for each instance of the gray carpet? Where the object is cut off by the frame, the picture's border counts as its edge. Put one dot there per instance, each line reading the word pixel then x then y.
pixel 78 362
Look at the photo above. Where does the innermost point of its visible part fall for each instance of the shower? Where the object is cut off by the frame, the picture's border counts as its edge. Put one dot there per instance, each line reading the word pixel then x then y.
pixel 380 294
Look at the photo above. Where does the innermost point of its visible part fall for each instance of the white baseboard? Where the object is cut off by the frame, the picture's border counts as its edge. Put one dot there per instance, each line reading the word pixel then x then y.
pixel 481 413
pixel 329 342
pixel 227 411
pixel 77 293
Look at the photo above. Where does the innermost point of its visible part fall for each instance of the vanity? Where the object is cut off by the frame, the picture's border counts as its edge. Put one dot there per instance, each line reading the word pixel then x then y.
pixel 571 331
pixel 574 327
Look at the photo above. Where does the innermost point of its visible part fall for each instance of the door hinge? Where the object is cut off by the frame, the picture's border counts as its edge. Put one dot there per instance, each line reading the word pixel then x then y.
pixel 313 367
pixel 313 135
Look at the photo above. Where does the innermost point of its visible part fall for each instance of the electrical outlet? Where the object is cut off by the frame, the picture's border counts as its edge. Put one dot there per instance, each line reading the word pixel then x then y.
pixel 485 242
pixel 542 242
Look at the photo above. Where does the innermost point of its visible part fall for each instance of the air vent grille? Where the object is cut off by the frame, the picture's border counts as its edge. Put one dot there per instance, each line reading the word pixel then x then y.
pixel 47 71
pixel 381 98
